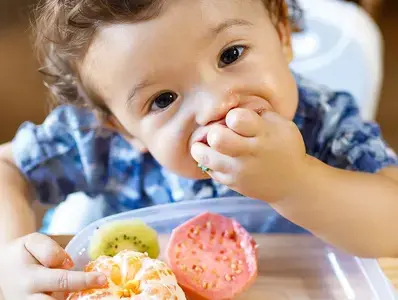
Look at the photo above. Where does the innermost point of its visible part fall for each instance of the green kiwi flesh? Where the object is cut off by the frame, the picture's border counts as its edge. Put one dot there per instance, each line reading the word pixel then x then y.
pixel 113 237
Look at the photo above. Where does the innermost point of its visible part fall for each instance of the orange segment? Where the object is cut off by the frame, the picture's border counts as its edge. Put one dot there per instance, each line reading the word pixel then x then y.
pixel 134 266
pixel 133 285
pixel 116 277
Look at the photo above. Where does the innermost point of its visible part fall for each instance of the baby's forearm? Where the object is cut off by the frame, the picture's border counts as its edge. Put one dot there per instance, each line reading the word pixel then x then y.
pixel 355 211
pixel 16 215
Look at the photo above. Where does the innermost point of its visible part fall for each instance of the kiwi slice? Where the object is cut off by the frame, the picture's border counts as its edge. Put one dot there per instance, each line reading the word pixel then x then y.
pixel 113 237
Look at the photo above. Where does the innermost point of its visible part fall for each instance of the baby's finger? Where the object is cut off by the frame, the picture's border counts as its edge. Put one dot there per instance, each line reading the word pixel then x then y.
pixel 47 251
pixel 50 280
pixel 226 141
pixel 244 122
pixel 210 158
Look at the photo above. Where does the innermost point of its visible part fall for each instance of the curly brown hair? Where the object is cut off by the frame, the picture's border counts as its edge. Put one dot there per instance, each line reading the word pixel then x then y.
pixel 64 28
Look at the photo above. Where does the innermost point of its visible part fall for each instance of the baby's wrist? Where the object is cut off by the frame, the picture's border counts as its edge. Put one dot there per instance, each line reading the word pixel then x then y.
pixel 302 178
pixel 287 185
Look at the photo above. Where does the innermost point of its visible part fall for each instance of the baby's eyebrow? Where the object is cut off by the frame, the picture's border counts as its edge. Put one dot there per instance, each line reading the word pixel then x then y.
pixel 228 24
pixel 136 88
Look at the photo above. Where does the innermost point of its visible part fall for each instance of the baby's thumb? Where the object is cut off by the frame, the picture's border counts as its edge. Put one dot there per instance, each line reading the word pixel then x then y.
pixel 66 281
pixel 47 252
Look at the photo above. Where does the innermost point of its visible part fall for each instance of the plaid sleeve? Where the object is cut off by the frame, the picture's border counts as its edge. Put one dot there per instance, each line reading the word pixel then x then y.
pixel 64 155
pixel 349 142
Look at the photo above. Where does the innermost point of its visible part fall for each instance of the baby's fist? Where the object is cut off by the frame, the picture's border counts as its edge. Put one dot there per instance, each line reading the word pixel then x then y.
pixel 259 156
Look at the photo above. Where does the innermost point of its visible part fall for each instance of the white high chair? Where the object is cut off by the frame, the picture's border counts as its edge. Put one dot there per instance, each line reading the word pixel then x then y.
pixel 341 48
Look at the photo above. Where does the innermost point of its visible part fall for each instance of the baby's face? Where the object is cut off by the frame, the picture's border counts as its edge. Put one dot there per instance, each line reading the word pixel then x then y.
pixel 169 79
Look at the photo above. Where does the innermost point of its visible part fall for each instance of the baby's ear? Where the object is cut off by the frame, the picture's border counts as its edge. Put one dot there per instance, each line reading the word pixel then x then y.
pixel 111 123
pixel 285 34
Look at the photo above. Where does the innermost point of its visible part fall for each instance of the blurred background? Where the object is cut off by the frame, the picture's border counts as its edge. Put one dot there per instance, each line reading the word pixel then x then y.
pixel 23 97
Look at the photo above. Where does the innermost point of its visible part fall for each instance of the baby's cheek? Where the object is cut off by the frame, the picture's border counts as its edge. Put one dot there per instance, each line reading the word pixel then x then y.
pixel 287 98
pixel 169 148
pixel 168 142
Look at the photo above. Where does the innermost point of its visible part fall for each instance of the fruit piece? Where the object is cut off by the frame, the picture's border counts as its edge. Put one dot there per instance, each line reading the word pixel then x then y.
pixel 116 236
pixel 132 275
pixel 213 257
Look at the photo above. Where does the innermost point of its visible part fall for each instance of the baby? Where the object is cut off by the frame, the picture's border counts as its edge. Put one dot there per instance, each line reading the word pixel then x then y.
pixel 150 89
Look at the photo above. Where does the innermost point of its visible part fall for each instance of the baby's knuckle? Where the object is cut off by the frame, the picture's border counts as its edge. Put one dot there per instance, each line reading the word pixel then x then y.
pixel 63 281
pixel 230 167
pixel 204 159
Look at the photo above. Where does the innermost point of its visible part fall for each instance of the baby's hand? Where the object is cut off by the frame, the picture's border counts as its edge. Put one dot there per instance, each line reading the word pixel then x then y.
pixel 34 266
pixel 260 157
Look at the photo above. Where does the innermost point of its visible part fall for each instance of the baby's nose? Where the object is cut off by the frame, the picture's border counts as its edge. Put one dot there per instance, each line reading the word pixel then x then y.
pixel 213 107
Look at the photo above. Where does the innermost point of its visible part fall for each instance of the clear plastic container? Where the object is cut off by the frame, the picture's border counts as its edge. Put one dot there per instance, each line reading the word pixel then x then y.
pixel 298 267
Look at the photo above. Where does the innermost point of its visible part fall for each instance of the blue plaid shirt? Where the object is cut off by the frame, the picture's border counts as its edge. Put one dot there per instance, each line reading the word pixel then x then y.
pixel 71 152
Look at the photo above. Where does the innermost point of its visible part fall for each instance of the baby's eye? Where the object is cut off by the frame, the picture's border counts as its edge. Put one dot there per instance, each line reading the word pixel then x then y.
pixel 163 100
pixel 231 55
